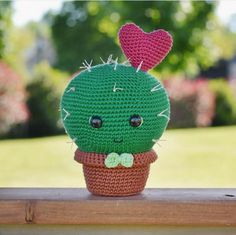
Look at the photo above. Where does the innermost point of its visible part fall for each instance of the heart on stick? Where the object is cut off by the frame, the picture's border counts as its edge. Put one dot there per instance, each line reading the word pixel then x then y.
pixel 144 50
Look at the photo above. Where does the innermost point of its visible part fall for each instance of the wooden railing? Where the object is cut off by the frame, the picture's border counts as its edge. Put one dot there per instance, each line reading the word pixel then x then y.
pixel 155 211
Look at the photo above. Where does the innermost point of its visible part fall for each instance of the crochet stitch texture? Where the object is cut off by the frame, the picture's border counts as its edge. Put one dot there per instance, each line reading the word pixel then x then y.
pixel 115 113
pixel 148 48
pixel 114 92
pixel 119 181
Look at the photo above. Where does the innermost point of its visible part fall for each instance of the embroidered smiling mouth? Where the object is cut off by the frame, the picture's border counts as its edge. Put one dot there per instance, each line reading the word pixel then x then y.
pixel 118 141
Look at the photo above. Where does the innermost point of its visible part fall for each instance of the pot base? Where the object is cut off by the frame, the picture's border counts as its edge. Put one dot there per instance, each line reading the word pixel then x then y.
pixel 118 181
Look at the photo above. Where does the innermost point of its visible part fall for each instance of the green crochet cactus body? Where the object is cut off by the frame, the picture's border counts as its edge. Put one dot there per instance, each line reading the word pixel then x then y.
pixel 113 93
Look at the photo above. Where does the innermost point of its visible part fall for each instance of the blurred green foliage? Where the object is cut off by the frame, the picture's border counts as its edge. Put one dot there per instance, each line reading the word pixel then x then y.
pixel 5 20
pixel 43 101
pixel 225 100
pixel 88 30
pixel 20 40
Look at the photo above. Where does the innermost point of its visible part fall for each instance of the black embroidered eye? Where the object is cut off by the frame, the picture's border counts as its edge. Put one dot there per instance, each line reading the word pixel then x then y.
pixel 135 120
pixel 95 121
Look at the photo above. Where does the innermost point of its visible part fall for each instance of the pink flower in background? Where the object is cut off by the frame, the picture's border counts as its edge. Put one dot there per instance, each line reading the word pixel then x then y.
pixel 13 109
pixel 192 102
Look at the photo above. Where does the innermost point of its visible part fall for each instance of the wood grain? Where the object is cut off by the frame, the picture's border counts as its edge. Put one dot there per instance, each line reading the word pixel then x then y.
pixel 34 229
pixel 192 207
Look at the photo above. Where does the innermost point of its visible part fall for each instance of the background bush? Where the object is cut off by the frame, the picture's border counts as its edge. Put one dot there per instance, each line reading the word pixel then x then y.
pixel 225 99
pixel 13 110
pixel 192 103
pixel 43 101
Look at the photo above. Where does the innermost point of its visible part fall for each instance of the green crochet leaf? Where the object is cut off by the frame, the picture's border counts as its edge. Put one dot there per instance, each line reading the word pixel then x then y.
pixel 112 160
pixel 126 159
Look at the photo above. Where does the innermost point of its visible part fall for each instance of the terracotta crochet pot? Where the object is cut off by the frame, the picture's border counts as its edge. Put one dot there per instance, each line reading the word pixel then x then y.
pixel 119 181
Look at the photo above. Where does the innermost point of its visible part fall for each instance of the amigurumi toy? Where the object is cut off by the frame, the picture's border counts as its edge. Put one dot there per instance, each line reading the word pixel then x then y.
pixel 116 112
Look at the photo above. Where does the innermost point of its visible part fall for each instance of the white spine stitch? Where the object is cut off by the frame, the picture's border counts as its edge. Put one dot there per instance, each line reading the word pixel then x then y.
pixel 109 59
pixel 161 114
pixel 71 89
pixel 86 65
pixel 126 62
pixel 139 67
pixel 102 60
pixel 89 64
pixel 67 114
pixel 116 63
pixel 72 142
pixel 117 88
pixel 157 88
pixel 156 142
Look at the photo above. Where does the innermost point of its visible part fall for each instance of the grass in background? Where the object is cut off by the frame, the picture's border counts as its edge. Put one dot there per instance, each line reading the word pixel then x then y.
pixel 189 158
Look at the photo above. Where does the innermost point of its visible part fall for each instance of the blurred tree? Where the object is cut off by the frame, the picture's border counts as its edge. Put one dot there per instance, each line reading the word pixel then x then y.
pixel 222 38
pixel 88 30
pixel 27 46
pixel 5 21
pixel 42 48
pixel 20 40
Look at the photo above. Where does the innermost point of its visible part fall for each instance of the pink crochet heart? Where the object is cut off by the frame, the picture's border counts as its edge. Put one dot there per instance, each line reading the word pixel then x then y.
pixel 146 48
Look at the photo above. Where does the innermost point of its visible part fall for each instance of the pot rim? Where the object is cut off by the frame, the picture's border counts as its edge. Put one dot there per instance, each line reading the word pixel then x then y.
pixel 97 159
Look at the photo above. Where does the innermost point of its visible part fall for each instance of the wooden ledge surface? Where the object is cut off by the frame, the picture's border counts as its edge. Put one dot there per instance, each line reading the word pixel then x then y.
pixel 193 207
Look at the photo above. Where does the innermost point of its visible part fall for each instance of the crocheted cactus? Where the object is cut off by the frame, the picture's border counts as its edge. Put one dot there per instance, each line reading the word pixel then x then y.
pixel 118 108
